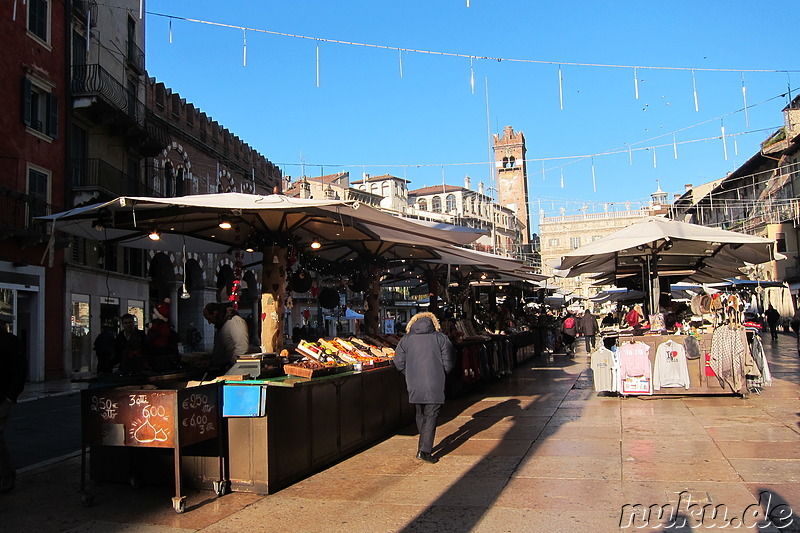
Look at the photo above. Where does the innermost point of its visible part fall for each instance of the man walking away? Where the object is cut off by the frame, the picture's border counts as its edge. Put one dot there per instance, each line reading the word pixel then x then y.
pixel 589 330
pixel 424 356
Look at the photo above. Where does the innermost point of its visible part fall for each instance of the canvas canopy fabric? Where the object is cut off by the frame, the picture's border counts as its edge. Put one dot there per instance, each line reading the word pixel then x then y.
pixel 193 221
pixel 686 251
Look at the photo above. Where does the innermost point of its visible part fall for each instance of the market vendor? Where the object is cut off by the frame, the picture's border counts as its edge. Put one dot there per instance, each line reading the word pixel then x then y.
pixel 231 338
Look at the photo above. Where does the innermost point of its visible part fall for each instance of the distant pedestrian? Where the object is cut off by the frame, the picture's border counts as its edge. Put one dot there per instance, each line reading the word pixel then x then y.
pixel 104 350
pixel 773 316
pixel 13 373
pixel 569 330
pixel 424 356
pixel 589 329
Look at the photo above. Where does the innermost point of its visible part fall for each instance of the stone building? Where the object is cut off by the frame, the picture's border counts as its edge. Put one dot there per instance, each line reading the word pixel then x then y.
pixel 512 178
pixel 33 147
pixel 561 234
pixel 758 198
pixel 89 125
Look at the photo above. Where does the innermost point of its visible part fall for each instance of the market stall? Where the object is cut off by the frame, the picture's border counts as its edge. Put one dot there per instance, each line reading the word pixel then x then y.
pixel 649 359
pixel 290 427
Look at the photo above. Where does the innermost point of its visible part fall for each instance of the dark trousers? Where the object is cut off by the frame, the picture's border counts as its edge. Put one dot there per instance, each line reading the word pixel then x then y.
pixel 591 342
pixel 426 424
pixel 773 331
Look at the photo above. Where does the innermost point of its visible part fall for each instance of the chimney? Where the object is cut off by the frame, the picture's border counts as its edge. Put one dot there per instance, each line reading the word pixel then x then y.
pixel 480 187
pixel 688 187
pixel 467 182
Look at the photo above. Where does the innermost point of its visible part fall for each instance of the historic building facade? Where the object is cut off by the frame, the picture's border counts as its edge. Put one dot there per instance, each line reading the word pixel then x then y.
pixel 34 125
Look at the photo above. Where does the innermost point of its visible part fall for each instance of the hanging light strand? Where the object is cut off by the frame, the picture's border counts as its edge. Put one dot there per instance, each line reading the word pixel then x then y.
pixel 453 54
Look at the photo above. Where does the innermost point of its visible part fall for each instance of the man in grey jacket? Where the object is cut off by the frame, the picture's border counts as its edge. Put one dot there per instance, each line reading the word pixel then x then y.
pixel 425 355
pixel 588 328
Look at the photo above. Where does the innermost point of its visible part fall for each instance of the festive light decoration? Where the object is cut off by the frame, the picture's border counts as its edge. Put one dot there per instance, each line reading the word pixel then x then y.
pixel 453 54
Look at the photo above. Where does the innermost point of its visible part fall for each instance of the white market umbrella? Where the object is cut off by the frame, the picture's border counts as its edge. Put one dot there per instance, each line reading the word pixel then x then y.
pixel 661 247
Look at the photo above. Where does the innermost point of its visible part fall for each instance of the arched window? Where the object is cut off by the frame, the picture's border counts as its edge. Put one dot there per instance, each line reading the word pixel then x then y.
pixel 436 204
pixel 374 189
pixel 512 162
pixel 169 179
pixel 450 202
pixel 422 204
pixel 385 191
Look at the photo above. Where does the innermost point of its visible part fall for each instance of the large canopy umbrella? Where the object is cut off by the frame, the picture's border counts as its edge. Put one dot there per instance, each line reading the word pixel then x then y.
pixel 662 247
pixel 264 223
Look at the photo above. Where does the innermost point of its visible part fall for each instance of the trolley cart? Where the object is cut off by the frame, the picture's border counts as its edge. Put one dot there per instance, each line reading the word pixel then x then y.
pixel 153 418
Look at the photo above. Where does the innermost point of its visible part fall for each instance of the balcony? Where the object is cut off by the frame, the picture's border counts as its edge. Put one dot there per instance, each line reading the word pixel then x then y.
pixel 135 57
pixel 98 176
pixel 110 102
pixel 17 212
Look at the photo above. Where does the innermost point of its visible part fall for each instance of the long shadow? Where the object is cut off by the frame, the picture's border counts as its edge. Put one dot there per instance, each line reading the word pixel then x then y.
pixel 463 505
pixel 480 421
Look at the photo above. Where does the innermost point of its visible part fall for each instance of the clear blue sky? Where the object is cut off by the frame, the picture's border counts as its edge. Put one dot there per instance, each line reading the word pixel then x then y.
pixel 429 126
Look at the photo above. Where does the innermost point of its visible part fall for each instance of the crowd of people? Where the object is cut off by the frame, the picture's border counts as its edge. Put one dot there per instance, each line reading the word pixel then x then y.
pixel 156 349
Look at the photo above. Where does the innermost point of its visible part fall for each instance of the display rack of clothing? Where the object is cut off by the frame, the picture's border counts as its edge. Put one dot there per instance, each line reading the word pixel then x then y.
pixel 635 372
pixel 731 359
pixel 670 368
pixel 605 368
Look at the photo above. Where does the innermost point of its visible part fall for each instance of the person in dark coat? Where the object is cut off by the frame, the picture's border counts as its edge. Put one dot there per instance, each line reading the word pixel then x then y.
pixel 131 347
pixel 424 356
pixel 773 316
pixel 589 329
pixel 13 373
pixel 104 350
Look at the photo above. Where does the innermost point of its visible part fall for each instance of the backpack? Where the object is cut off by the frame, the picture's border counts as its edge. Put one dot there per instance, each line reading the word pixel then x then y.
pixel 569 323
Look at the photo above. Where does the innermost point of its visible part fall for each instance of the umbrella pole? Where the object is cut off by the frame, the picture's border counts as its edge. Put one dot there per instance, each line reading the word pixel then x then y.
pixel 273 298
pixel 372 309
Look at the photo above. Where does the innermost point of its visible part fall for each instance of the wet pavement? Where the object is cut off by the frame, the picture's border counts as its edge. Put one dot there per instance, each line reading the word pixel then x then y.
pixel 536 451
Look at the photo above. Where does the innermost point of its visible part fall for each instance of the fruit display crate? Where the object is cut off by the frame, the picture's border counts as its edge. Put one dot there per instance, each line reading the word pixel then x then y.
pixel 302 372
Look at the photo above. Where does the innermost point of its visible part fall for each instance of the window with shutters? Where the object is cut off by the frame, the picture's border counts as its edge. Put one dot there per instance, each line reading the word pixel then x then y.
pixel 39 193
pixel 39 108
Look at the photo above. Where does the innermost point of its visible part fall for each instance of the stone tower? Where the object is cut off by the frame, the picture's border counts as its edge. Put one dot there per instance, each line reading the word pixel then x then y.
pixel 511 176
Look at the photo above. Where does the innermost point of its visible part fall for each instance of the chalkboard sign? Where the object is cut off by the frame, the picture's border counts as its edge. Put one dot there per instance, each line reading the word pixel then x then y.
pixel 157 418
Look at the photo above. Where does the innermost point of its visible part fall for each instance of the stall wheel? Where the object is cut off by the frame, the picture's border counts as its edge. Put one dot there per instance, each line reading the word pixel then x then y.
pixel 179 504
pixel 220 488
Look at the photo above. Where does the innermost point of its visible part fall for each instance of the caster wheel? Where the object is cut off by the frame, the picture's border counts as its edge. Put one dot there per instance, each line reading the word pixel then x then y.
pixel 87 500
pixel 179 504
pixel 220 488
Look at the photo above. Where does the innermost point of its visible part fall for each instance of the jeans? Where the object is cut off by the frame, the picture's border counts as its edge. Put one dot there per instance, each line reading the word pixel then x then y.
pixel 426 425
pixel 591 342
